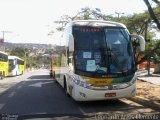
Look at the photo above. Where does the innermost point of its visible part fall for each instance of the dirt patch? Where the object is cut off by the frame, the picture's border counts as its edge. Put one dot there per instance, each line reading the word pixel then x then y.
pixel 148 90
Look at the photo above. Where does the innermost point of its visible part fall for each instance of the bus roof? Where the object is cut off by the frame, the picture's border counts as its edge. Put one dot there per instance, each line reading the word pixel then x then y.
pixel 13 57
pixel 97 23
pixel 3 53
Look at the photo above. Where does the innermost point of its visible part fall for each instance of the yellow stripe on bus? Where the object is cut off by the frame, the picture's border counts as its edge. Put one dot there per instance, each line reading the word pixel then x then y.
pixel 98 81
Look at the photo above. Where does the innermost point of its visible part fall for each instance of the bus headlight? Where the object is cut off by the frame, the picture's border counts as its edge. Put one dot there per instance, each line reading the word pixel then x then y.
pixel 82 83
pixel 120 86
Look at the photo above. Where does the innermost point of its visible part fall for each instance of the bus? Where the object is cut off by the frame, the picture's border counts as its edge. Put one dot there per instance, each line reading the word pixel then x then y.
pixel 16 66
pixel 3 64
pixel 97 61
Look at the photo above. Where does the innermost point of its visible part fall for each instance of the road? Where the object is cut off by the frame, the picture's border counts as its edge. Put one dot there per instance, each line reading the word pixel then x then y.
pixel 35 94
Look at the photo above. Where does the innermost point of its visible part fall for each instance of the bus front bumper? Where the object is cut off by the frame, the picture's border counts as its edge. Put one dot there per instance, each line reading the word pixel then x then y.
pixel 83 94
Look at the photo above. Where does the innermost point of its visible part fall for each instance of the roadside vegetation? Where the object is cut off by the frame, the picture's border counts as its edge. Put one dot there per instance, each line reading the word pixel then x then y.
pixel 32 58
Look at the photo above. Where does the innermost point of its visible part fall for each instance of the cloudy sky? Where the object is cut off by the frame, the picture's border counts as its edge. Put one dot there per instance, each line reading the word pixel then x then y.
pixel 31 20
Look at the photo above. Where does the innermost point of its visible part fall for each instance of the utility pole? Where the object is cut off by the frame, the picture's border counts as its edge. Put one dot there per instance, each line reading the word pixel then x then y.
pixel 3 38
pixel 145 37
pixel 118 13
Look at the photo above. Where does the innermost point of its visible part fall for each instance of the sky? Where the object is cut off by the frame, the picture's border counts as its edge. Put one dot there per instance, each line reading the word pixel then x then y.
pixel 30 21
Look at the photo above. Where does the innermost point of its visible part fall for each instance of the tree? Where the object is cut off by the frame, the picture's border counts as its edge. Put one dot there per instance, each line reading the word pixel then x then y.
pixel 19 51
pixel 151 12
pixel 85 14
pixel 143 24
pixel 157 22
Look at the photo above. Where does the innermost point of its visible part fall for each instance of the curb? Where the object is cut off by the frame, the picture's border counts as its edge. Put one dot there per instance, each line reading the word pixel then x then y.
pixel 146 102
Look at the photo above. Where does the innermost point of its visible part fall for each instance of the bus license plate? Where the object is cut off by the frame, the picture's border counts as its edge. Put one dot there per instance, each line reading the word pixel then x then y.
pixel 110 94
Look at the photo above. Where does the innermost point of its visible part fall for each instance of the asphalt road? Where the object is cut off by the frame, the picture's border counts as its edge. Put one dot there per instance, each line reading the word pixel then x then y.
pixel 35 94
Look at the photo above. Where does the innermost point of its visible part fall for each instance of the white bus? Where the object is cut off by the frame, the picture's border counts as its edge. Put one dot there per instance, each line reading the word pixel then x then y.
pixel 98 61
pixel 16 66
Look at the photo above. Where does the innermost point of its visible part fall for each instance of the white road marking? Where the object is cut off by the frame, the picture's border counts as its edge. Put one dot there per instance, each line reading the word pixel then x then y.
pixel 39 84
pixel 12 94
pixel 1 106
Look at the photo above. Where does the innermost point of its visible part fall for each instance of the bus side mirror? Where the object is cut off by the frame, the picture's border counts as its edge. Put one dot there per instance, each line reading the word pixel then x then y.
pixel 141 41
pixel 71 43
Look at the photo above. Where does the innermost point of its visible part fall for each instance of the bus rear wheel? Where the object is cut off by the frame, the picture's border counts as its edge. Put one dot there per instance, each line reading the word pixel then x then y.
pixel 65 87
pixel 2 74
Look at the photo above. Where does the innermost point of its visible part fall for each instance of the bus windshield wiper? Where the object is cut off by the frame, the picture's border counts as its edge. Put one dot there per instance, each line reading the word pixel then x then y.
pixel 102 70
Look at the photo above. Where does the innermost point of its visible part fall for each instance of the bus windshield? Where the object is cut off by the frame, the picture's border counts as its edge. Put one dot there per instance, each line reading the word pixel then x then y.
pixel 101 51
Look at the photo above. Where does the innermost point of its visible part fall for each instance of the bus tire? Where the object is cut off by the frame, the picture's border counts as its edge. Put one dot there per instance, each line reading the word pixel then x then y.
pixel 56 81
pixel 65 87
pixel 2 75
pixel 51 75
